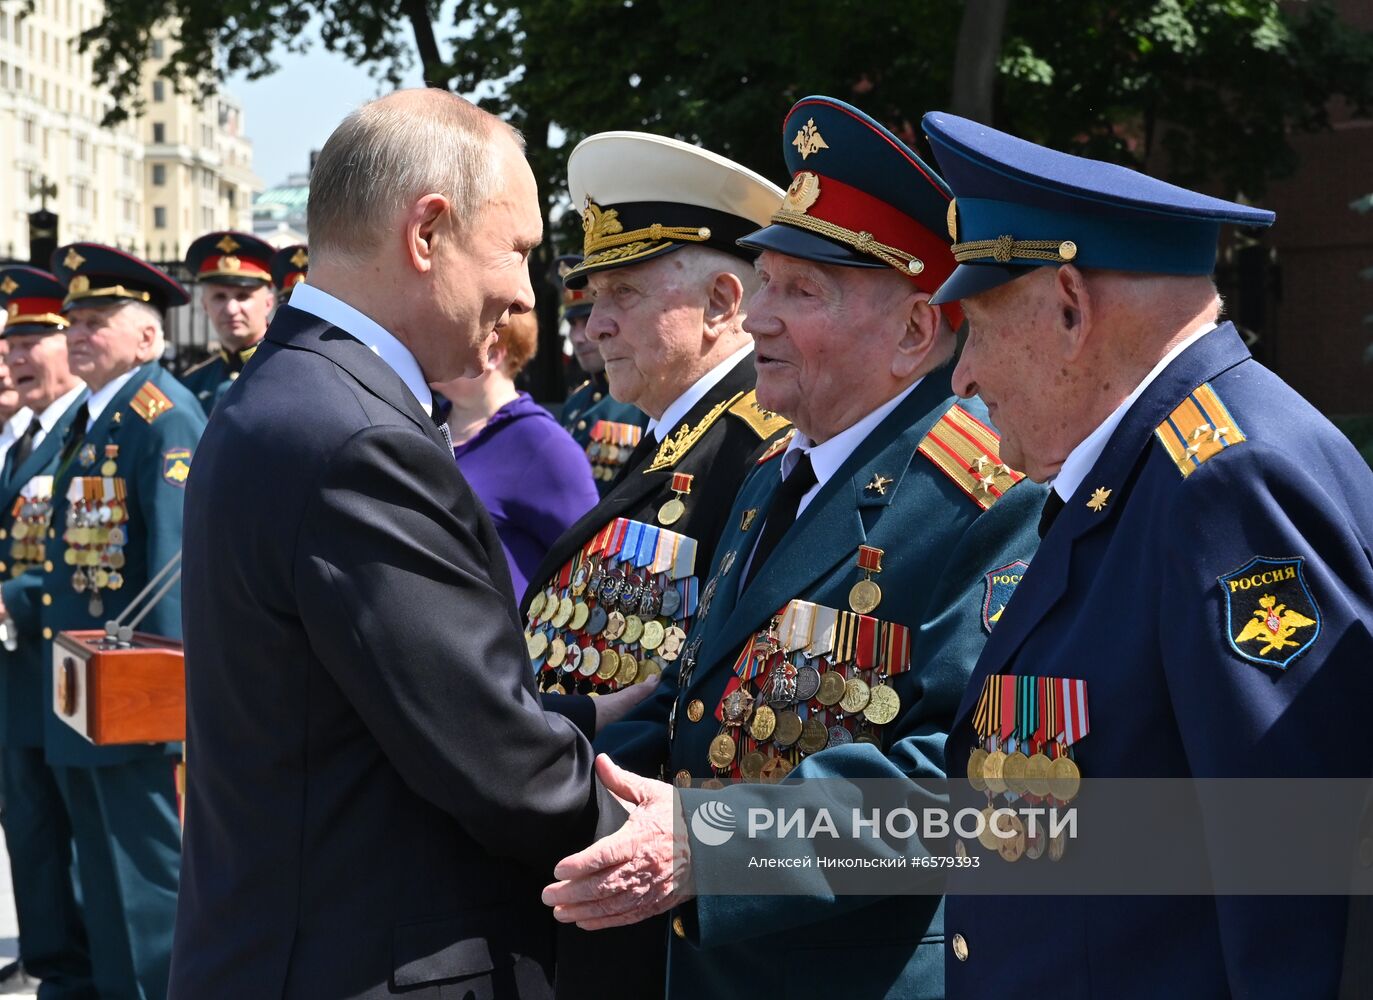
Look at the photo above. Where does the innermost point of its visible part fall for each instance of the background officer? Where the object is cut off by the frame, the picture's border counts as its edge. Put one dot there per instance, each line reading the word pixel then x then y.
pixel 590 407
pixel 1204 580
pixel 116 522
pixel 234 271
pixel 52 940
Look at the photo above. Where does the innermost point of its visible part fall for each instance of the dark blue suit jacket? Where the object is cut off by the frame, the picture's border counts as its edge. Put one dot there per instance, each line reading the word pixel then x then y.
pixel 1134 598
pixel 376 798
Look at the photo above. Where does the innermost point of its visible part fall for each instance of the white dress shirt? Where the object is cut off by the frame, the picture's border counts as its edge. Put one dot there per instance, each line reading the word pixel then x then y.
pixel 681 406
pixel 53 413
pixel 310 299
pixel 13 429
pixel 1081 459
pixel 102 397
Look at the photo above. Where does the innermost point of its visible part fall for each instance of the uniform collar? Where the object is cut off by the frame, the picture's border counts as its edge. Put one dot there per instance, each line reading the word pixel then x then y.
pixel 17 424
pixel 336 312
pixel 1081 459
pixel 828 457
pixel 683 404
pixel 53 413
pixel 102 397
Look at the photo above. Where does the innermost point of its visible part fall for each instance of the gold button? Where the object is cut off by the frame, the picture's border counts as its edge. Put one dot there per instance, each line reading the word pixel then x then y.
pixel 596 397
pixel 3 534
pixel 960 948
pixel 47 633
pixel 47 600
pixel 47 566
pixel 52 532
pixel 581 425
pixel 1366 852
pixel 696 710
pixel 678 927
pixel 2 567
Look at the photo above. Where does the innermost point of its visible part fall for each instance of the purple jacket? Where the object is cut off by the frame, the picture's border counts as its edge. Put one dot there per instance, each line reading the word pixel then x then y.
pixel 533 478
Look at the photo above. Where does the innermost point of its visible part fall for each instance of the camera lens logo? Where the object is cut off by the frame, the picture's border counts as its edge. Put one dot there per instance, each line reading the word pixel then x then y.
pixel 713 823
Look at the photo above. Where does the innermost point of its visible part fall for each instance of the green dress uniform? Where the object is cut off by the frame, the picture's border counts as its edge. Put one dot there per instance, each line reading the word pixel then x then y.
pixel 127 470
pixel 38 833
pixel 210 379
pixel 943 535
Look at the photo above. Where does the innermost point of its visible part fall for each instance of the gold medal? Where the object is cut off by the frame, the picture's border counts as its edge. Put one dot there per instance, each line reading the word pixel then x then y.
pixel 996 760
pixel 865 596
pixel 647 668
pixel 671 512
pixel 634 629
pixel 564 614
pixel 108 468
pixel 538 645
pixel 856 696
pixel 535 606
pixel 614 626
pixel 557 652
pixel 975 765
pixel 832 685
pixel 763 724
pixel 1064 780
pixel 610 665
pixel 628 672
pixel 987 838
pixel 591 662
pixel 580 613
pixel 696 710
pixel 788 728
pixel 653 635
pixel 1012 848
pixel 1037 772
pixel 682 779
pixel 751 766
pixel 556 689
pixel 814 736
pixel 722 751
pixel 776 769
pixel 1013 772
pixel 883 705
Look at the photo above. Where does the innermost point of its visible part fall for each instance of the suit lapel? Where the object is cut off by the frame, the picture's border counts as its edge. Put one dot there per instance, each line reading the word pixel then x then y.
pixel 304 331
pixel 1109 482
pixel 831 527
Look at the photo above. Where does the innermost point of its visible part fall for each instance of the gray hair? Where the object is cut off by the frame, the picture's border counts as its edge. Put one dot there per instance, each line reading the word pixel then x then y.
pixel 391 151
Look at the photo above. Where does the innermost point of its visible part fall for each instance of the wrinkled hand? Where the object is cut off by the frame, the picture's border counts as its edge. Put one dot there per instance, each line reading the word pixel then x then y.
pixel 632 874
pixel 614 707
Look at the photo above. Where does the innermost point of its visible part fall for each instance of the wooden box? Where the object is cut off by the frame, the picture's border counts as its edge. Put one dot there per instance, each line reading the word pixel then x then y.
pixel 111 695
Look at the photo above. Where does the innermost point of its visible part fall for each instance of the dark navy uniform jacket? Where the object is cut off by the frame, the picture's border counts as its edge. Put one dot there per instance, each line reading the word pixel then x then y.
pixel 939 545
pixel 1149 600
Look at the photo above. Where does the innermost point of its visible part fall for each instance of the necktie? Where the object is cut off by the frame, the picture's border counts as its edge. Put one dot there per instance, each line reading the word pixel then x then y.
pixel 75 433
pixel 438 413
pixel 22 449
pixel 783 513
pixel 647 446
pixel 1052 505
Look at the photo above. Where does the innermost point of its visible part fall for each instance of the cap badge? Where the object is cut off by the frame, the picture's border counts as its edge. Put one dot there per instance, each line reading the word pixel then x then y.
pixel 598 223
pixel 300 258
pixel 952 219
pixel 73 260
pixel 13 309
pixel 79 284
pixel 8 285
pixel 227 244
pixel 230 263
pixel 803 192
pixel 809 140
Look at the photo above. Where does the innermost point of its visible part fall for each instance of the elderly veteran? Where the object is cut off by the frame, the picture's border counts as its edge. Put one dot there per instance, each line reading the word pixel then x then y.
pixel 38 831
pixel 1204 587
pixel 234 272
pixel 854 585
pixel 612 602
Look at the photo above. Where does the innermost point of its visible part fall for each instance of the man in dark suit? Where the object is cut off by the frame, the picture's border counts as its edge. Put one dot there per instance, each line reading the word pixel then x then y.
pixel 375 792
pixel 38 830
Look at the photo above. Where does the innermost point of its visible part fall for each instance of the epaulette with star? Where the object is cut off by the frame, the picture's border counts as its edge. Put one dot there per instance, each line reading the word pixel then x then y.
pixel 777 447
pixel 150 402
pixel 765 423
pixel 968 452
pixel 1198 429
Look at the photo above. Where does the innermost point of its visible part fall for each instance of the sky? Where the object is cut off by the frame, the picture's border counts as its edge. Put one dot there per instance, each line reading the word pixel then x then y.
pixel 293 110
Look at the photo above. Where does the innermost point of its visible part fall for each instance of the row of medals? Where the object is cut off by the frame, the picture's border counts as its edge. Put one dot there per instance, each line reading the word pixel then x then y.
pixel 842 710
pixel 27 546
pixel 95 537
pixel 1037 778
pixel 614 605
pixel 607 459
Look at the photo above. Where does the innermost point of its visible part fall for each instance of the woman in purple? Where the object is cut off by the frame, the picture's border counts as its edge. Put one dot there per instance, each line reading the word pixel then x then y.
pixel 533 478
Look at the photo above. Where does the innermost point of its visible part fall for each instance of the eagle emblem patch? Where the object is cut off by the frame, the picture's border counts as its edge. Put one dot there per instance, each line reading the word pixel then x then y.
pixel 1001 584
pixel 1270 615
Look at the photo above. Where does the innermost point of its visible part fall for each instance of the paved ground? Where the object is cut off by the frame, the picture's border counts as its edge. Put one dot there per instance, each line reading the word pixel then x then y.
pixel 9 927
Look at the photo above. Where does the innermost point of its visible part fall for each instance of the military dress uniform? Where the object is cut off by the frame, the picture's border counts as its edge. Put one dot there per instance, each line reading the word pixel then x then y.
pixel 116 522
pixel 226 258
pixel 613 598
pixel 1205 590
pixel 38 834
pixel 847 650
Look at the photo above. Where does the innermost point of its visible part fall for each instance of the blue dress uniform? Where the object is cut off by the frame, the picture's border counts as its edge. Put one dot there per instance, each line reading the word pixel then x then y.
pixel 926 491
pixel 1209 580
pixel 121 799
pixel 38 831
pixel 289 266
pixel 225 258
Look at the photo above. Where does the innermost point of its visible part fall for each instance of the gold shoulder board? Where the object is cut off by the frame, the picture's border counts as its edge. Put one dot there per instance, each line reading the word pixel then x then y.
pixel 150 402
pixel 1199 428
pixel 968 452
pixel 765 423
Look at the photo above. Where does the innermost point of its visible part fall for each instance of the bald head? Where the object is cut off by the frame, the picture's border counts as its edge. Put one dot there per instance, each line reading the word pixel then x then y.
pixel 392 151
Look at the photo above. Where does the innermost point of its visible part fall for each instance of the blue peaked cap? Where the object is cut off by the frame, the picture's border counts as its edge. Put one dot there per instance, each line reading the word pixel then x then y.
pixel 1018 205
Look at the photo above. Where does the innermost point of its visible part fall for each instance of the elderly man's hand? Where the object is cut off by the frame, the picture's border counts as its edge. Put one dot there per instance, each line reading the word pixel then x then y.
pixel 614 707
pixel 635 872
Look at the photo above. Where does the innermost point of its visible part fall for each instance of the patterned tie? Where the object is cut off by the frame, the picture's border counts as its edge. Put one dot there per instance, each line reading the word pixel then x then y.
pixel 783 513
pixel 438 412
